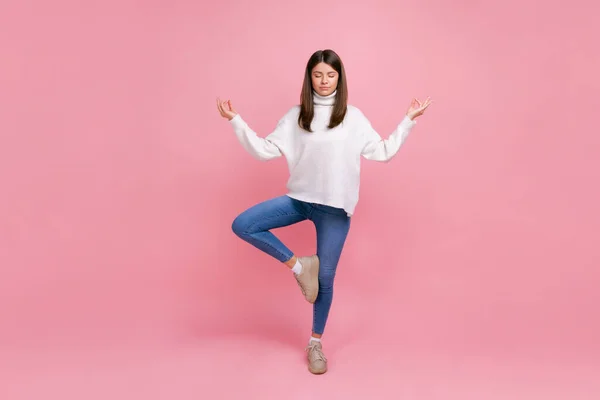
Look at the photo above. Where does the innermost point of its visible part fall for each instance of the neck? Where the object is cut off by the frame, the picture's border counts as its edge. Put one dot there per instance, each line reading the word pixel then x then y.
pixel 328 100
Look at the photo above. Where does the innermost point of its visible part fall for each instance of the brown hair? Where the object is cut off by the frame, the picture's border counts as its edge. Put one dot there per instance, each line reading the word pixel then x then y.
pixel 338 113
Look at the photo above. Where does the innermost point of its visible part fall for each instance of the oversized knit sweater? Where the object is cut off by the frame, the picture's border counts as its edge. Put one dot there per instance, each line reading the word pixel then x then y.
pixel 324 164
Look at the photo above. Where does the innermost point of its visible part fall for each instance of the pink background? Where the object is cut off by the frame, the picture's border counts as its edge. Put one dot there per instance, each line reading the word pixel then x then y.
pixel 471 270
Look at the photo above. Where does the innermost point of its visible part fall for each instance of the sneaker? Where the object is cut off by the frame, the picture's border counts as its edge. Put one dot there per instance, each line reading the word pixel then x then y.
pixel 317 363
pixel 308 278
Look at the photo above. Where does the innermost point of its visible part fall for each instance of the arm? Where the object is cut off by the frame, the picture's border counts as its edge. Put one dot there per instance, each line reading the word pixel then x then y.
pixel 262 149
pixel 377 149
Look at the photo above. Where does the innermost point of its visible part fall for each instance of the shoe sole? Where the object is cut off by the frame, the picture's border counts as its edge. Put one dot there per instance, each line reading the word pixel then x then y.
pixel 316 264
pixel 317 372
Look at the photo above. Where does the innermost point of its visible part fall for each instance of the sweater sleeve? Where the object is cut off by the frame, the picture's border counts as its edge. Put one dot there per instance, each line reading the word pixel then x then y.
pixel 262 149
pixel 377 149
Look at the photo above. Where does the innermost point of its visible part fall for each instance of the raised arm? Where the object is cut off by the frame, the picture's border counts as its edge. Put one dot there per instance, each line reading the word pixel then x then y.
pixel 377 149
pixel 383 150
pixel 262 149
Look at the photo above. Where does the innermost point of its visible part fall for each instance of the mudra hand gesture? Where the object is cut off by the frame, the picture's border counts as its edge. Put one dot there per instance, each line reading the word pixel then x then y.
pixel 226 109
pixel 417 108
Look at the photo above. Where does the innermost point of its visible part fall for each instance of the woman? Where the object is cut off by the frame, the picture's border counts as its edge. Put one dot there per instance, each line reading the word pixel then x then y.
pixel 322 140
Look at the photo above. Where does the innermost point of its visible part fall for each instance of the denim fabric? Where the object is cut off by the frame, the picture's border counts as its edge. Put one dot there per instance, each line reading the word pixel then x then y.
pixel 332 226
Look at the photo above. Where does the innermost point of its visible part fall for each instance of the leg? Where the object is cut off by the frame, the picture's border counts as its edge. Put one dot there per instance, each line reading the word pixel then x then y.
pixel 254 225
pixel 332 226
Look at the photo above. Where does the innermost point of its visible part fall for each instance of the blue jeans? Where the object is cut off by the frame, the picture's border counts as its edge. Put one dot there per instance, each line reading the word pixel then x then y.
pixel 332 226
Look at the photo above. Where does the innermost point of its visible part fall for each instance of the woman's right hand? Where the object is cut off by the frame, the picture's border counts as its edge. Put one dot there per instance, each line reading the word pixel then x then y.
pixel 226 109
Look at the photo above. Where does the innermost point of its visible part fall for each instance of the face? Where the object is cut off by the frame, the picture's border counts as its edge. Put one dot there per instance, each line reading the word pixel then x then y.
pixel 324 79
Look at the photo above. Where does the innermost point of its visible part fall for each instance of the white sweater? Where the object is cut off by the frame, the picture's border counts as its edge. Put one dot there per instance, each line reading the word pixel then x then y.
pixel 324 165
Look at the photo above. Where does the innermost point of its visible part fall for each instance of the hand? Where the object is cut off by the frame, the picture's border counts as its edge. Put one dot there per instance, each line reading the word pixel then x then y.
pixel 417 108
pixel 226 109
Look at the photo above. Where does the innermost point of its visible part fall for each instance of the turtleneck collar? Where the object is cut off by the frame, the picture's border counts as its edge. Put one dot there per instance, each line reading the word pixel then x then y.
pixel 324 100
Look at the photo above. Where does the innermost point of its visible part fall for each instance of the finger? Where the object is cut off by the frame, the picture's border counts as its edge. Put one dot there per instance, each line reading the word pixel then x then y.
pixel 227 108
pixel 222 110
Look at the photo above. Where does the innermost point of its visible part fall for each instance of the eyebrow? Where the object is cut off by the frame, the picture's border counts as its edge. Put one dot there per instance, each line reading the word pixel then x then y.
pixel 330 72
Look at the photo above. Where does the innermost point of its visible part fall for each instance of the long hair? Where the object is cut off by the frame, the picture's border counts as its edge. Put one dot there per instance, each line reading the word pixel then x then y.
pixel 307 111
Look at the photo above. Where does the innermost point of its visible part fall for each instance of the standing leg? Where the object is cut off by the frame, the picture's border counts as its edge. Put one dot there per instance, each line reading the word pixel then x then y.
pixel 332 225
pixel 332 230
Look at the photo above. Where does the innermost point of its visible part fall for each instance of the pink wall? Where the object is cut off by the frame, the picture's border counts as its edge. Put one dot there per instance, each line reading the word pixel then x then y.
pixel 120 180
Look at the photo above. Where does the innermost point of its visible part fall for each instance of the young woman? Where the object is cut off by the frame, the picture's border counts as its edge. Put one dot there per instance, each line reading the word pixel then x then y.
pixel 322 140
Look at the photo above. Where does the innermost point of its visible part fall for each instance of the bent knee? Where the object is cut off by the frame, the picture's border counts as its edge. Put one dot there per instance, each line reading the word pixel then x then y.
pixel 239 226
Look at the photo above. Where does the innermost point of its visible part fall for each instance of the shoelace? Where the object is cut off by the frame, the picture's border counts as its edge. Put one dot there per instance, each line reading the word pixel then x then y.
pixel 314 351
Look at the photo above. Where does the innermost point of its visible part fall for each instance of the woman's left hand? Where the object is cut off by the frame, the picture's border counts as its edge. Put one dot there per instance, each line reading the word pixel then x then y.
pixel 417 108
